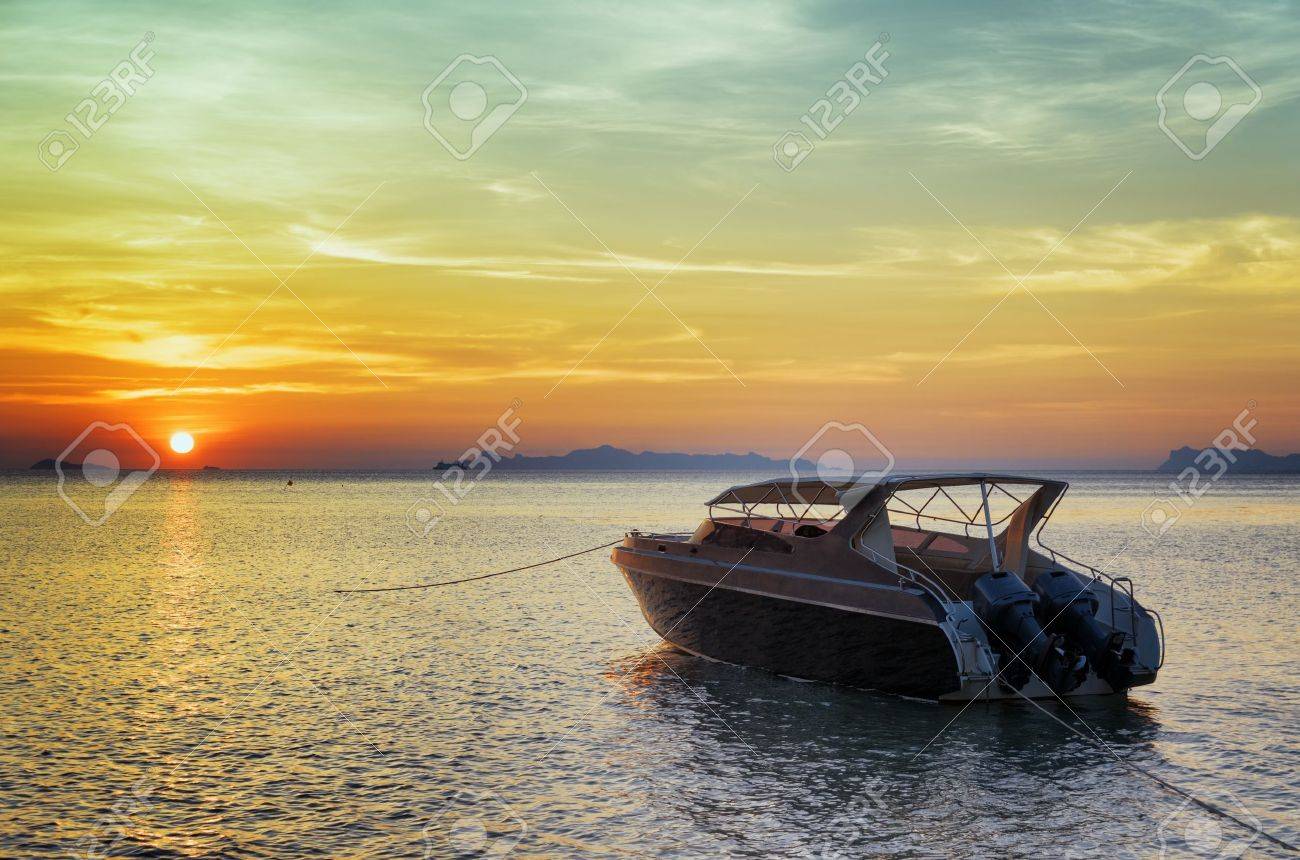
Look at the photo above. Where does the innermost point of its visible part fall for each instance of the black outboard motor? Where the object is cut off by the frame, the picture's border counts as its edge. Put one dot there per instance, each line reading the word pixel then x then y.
pixel 1007 606
pixel 1069 608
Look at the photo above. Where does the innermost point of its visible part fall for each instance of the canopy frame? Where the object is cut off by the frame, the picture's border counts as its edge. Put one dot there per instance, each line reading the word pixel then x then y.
pixel 799 496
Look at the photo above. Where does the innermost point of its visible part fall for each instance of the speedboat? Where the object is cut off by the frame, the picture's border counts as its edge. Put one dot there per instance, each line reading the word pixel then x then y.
pixel 923 586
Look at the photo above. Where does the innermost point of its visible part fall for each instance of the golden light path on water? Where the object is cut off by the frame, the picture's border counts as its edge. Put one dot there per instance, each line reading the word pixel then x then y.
pixel 186 665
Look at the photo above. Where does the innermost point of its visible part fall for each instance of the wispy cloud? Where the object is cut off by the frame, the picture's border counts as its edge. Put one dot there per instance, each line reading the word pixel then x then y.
pixel 463 282
pixel 523 266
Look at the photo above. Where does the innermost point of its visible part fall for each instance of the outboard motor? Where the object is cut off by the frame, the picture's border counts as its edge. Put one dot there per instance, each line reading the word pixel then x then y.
pixel 1007 606
pixel 1067 606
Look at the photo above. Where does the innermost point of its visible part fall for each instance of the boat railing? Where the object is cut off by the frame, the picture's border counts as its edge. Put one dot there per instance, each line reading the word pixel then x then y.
pixel 910 575
pixel 935 588
pixel 1115 584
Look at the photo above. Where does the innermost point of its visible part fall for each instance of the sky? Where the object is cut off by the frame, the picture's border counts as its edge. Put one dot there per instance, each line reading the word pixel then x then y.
pixel 998 256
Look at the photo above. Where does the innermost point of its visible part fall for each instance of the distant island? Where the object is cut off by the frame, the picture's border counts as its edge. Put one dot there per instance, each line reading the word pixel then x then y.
pixel 1248 462
pixel 607 457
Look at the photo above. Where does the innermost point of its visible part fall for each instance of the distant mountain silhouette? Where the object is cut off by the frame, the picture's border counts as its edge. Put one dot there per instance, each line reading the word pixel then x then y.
pixel 1248 462
pixel 609 457
pixel 48 465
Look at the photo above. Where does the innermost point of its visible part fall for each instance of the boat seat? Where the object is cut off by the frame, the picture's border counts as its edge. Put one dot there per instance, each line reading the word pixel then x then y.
pixel 1013 543
pixel 725 534
pixel 804 528
pixel 780 525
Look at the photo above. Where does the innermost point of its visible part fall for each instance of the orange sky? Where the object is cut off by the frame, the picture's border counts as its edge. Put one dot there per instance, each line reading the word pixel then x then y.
pixel 625 256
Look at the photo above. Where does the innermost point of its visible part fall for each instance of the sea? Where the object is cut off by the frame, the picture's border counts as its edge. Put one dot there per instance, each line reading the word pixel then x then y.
pixel 179 679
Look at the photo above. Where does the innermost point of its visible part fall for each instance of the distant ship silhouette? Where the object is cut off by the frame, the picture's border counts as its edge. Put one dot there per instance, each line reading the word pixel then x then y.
pixel 442 466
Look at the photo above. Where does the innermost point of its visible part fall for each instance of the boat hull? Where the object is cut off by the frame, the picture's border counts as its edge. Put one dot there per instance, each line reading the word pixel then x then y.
pixel 798 639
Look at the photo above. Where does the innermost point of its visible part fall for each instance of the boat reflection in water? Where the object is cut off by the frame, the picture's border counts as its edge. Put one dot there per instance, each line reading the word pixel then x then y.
pixel 923 586
pixel 826 771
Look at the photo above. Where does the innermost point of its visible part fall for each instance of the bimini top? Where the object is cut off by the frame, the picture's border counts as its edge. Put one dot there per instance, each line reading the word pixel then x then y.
pixel 848 491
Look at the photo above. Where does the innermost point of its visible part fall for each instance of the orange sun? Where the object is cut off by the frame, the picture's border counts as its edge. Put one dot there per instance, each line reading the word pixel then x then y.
pixel 182 442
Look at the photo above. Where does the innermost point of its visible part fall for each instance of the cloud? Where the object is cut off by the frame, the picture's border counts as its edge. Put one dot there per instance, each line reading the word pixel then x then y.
pixel 998 355
pixel 1243 255
pixel 233 390
pixel 384 251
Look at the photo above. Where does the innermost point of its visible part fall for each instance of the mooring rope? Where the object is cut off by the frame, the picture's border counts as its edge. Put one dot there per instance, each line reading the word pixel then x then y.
pixel 1137 768
pixel 1209 807
pixel 474 578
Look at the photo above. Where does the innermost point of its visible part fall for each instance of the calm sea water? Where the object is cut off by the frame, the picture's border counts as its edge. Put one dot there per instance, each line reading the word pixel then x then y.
pixel 181 682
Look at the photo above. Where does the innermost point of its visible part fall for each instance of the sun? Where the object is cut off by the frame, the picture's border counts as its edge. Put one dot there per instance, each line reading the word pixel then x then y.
pixel 182 442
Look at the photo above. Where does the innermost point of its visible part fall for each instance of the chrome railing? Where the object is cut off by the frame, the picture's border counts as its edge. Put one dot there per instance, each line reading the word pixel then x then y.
pixel 932 586
pixel 1112 583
